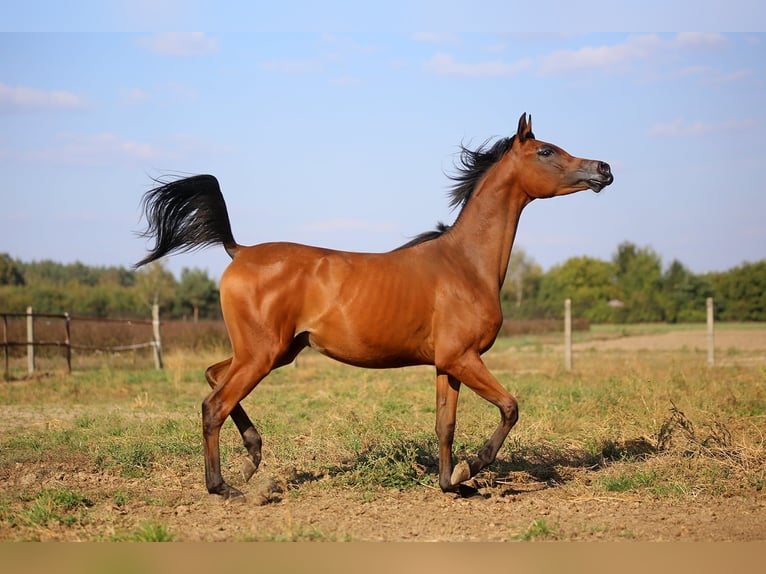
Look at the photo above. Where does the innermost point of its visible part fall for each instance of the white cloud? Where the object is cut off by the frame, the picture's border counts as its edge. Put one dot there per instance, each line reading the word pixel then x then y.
pixel 445 65
pixel 180 44
pixel 607 58
pixel 680 128
pixel 612 57
pixel 25 98
pixel 619 57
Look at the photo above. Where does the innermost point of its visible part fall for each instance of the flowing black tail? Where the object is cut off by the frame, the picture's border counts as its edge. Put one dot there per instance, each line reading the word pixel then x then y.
pixel 186 214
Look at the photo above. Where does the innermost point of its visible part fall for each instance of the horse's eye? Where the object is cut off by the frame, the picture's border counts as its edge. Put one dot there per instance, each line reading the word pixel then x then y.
pixel 545 151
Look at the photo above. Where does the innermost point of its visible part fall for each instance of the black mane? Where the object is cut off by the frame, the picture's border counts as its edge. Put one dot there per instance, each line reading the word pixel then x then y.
pixel 471 168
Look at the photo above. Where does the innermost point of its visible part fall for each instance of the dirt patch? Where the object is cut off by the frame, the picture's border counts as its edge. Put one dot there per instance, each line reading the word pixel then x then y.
pixel 513 510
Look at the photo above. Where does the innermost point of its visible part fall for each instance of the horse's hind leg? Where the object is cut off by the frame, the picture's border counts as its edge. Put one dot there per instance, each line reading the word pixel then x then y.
pixel 447 389
pixel 232 381
pixel 250 436
pixel 240 378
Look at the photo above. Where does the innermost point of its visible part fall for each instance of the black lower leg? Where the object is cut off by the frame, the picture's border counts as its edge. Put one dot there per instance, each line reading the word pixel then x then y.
pixel 250 436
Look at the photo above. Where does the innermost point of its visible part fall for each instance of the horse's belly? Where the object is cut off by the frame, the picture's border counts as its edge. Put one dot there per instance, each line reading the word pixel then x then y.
pixel 371 351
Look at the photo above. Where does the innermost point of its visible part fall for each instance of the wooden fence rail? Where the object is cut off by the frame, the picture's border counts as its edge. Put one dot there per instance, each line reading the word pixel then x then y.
pixel 31 342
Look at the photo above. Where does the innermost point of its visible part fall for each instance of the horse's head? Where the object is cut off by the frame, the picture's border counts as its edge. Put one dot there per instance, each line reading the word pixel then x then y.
pixel 545 170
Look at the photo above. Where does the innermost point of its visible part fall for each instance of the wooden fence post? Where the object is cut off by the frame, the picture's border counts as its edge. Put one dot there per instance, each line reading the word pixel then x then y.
pixel 568 334
pixel 710 333
pixel 6 347
pixel 68 342
pixel 157 341
pixel 30 341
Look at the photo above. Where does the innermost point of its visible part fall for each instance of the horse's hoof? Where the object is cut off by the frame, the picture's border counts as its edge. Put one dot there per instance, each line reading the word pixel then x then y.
pixel 233 496
pixel 460 473
pixel 248 469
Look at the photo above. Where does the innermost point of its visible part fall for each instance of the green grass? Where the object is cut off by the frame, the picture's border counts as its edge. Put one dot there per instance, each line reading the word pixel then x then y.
pixel 54 505
pixel 150 531
pixel 629 481
pixel 399 462
pixel 538 530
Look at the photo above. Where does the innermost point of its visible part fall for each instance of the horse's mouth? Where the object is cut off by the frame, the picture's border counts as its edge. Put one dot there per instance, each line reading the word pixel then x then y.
pixel 598 184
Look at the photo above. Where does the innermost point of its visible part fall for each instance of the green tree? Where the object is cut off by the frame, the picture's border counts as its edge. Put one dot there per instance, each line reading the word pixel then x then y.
pixel 740 293
pixel 587 281
pixel 639 282
pixel 522 282
pixel 683 294
pixel 10 274
pixel 197 291
pixel 156 285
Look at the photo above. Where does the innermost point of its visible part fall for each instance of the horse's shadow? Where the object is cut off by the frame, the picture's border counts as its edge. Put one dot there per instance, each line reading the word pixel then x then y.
pixel 412 462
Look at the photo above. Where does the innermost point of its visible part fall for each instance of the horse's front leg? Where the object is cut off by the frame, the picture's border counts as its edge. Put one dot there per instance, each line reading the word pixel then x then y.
pixel 250 436
pixel 470 369
pixel 447 392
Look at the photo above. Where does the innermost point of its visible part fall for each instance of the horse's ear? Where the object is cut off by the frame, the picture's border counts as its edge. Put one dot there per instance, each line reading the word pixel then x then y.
pixel 524 130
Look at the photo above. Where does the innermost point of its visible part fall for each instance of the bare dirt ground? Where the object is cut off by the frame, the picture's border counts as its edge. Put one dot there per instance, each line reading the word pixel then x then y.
pixel 514 506
pixel 725 342
pixel 499 512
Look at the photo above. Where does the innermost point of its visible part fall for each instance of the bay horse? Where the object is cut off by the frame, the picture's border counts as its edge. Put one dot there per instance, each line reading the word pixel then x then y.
pixel 434 301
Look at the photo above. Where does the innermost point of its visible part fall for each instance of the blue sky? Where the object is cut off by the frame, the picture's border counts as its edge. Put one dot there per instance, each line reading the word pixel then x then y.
pixel 343 139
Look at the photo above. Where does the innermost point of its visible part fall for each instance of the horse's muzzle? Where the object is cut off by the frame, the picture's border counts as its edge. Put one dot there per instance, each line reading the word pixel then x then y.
pixel 603 178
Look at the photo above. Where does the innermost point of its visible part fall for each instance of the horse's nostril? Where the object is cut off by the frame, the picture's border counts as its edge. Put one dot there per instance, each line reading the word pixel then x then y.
pixel 603 168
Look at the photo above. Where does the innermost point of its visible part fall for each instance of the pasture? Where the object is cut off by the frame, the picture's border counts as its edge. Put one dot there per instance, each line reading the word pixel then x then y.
pixel 640 441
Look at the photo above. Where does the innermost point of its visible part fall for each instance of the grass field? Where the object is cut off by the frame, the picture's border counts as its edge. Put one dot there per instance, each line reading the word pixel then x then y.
pixel 631 444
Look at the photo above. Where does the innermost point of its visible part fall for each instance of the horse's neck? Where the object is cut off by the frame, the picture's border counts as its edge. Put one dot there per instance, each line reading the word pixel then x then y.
pixel 486 228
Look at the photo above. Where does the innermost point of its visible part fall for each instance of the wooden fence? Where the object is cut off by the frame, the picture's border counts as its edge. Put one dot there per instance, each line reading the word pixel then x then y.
pixel 156 344
pixel 568 334
pixel 66 342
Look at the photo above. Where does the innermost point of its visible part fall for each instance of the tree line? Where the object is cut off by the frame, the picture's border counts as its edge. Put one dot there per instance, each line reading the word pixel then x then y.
pixel 632 287
pixel 52 287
